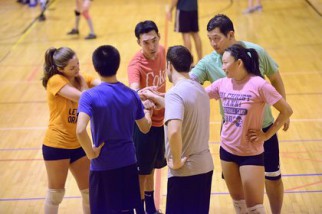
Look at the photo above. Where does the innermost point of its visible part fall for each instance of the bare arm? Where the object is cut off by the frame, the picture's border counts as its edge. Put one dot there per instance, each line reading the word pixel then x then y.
pixel 135 86
pixel 83 137
pixel 175 143
pixel 155 97
pixel 278 84
pixel 145 123
pixel 173 4
pixel 70 92
pixel 285 111
pixel 96 82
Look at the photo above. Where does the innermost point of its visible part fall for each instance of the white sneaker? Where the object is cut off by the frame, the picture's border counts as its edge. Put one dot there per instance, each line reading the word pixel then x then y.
pixel 253 9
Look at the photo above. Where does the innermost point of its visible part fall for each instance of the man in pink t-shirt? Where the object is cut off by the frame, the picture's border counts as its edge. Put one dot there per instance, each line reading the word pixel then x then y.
pixel 147 68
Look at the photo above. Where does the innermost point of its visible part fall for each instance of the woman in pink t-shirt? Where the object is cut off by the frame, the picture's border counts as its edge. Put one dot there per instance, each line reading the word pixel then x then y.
pixel 244 94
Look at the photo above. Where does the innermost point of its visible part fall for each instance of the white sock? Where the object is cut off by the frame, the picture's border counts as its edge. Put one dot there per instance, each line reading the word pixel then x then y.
pixel 53 199
pixel 85 197
pixel 240 206
pixel 257 209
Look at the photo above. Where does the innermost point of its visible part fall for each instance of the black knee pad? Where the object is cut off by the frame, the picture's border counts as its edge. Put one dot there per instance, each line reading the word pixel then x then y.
pixel 77 13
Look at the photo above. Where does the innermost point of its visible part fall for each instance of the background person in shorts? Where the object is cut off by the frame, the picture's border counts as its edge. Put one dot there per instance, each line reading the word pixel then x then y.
pixel 112 108
pixel 147 68
pixel 186 22
pixel 82 8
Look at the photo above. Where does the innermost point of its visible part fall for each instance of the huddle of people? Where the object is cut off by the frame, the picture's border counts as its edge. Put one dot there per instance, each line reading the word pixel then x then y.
pixel 138 128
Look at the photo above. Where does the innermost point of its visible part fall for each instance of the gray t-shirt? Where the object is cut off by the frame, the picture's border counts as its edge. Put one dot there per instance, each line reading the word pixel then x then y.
pixel 188 101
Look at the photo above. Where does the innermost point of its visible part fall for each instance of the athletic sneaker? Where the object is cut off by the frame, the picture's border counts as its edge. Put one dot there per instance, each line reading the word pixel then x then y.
pixel 258 8
pixel 253 9
pixel 42 17
pixel 90 36
pixel 73 32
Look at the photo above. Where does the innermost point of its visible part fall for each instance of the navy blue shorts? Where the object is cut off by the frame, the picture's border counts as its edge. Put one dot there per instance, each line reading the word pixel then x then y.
pixel 186 21
pixel 189 194
pixel 150 149
pixel 51 153
pixel 271 157
pixel 257 160
pixel 112 191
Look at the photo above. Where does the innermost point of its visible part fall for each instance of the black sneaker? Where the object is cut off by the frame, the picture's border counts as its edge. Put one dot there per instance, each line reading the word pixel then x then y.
pixel 73 32
pixel 90 36
pixel 42 18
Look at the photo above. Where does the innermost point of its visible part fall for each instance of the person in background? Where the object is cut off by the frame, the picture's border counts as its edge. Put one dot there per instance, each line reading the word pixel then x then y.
pixel 43 7
pixel 186 22
pixel 82 8
pixel 61 149
pixel 252 7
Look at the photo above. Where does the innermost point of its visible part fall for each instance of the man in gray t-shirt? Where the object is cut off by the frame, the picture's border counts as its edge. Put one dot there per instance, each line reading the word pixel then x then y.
pixel 187 108
pixel 187 112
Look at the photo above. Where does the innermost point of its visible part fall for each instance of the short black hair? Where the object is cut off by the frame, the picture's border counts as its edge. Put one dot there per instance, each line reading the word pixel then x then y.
pixel 221 21
pixel 145 27
pixel 180 57
pixel 106 60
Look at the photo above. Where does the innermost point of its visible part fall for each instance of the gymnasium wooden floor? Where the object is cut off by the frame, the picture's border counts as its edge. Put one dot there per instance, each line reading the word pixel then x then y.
pixel 290 30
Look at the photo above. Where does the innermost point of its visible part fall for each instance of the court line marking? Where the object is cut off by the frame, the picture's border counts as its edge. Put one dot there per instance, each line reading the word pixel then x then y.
pixel 24 33
pixel 313 7
pixel 300 175
pixel 302 159
pixel 302 186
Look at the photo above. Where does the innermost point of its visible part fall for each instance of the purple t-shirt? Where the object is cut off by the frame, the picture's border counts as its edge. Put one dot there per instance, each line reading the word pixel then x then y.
pixel 243 103
pixel 113 109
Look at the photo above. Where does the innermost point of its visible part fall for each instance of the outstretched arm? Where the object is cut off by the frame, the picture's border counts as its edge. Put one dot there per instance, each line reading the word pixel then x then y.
pixel 156 97
pixel 72 93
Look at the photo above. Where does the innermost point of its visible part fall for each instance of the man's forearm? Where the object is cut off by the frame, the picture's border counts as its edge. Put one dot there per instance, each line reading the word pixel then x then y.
pixel 86 144
pixel 277 83
pixel 175 143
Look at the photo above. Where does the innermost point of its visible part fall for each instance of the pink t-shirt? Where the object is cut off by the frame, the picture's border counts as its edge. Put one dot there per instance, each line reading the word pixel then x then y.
pixel 148 72
pixel 243 103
